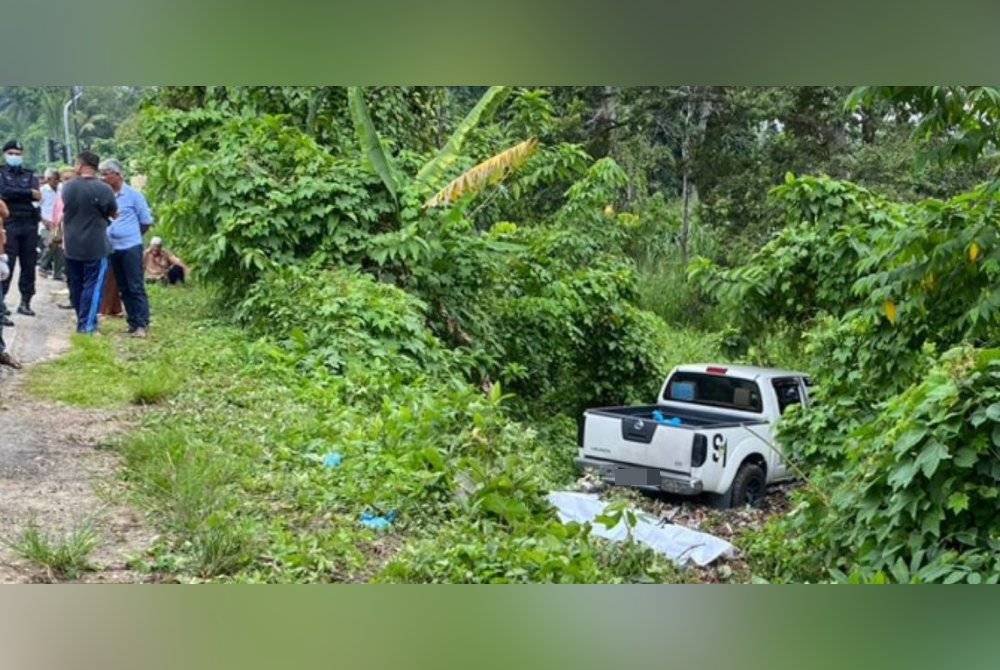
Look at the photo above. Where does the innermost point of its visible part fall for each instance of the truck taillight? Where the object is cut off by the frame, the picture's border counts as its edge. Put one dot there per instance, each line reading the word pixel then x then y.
pixel 714 370
pixel 699 450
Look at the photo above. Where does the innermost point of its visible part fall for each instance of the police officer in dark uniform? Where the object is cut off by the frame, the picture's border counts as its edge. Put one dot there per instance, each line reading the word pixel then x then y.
pixel 5 356
pixel 19 189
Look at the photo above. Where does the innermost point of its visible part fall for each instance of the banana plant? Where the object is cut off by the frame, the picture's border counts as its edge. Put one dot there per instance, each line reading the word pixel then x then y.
pixel 430 175
pixel 371 145
pixel 491 171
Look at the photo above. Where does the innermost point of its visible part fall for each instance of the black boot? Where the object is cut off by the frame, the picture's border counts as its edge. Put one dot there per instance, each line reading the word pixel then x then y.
pixel 25 308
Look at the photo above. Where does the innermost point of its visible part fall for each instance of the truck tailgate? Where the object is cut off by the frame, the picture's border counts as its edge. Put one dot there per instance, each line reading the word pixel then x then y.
pixel 637 441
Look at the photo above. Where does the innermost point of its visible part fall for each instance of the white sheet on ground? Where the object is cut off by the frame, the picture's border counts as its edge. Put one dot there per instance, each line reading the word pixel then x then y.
pixel 677 543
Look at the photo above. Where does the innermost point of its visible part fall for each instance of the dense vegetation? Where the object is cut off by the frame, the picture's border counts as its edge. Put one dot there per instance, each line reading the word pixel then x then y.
pixel 431 283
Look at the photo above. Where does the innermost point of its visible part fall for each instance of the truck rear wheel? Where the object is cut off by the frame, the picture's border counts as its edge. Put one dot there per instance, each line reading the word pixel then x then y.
pixel 748 488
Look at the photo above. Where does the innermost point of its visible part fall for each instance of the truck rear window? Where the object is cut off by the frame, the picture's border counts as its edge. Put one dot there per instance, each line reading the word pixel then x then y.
pixel 715 390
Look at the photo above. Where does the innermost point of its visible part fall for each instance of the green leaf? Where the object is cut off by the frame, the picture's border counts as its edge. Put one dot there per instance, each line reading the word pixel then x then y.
pixel 932 522
pixel 957 502
pixel 993 412
pixel 909 439
pixel 434 169
pixel 954 577
pixel 368 138
pixel 966 457
pixel 903 475
pixel 900 572
pixel 609 520
pixel 931 456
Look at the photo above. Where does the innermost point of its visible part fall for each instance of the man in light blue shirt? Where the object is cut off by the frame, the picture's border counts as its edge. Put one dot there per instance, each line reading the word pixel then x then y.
pixel 125 235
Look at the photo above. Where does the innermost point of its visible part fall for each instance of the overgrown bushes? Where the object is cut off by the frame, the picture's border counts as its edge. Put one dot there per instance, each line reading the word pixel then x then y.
pixel 243 194
pixel 389 336
pixel 898 440
pixel 265 212
pixel 914 495
pixel 342 318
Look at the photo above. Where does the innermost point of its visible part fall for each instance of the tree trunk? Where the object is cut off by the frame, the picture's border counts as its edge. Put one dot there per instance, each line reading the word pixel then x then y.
pixel 685 217
pixel 603 123
pixel 694 135
pixel 867 126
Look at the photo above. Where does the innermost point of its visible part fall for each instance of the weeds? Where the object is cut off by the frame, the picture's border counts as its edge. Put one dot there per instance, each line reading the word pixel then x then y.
pixel 154 383
pixel 62 556
pixel 222 547
pixel 184 481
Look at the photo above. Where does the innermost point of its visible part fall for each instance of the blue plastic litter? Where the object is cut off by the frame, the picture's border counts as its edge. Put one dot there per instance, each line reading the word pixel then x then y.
pixel 377 521
pixel 333 460
pixel 664 421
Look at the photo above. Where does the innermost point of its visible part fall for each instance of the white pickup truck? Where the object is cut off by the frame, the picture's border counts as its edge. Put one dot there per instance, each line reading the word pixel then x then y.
pixel 711 431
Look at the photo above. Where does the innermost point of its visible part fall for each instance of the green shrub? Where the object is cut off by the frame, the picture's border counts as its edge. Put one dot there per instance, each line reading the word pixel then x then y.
pixel 342 318
pixel 811 264
pixel 878 289
pixel 483 552
pixel 244 194
pixel 915 497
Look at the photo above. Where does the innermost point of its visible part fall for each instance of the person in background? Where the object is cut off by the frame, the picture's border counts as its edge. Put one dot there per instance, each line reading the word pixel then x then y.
pixel 88 205
pixel 125 233
pixel 162 266
pixel 5 357
pixel 50 193
pixel 59 255
pixel 19 189
pixel 111 299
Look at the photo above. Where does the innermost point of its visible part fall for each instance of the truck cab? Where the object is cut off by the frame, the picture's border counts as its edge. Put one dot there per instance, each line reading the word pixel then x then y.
pixel 710 431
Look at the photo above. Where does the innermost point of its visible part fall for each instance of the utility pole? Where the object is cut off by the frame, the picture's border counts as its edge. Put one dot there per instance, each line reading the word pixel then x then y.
pixel 70 102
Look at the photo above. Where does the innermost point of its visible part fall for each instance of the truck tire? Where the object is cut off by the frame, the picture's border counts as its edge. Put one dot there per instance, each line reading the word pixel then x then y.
pixel 747 488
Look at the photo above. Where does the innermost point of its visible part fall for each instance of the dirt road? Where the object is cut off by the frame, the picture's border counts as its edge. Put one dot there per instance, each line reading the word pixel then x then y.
pixel 55 468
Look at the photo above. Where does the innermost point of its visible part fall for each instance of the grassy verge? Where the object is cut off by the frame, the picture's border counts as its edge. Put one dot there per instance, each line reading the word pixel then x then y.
pixel 108 370
pixel 183 464
pixel 90 375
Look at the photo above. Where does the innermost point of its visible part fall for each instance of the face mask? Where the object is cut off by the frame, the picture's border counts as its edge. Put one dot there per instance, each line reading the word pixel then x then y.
pixel 12 160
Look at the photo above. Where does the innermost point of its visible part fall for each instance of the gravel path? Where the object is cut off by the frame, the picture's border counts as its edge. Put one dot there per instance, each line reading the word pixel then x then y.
pixel 55 468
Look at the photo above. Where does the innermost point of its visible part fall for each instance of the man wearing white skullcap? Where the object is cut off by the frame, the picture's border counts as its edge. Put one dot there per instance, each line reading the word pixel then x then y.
pixel 162 266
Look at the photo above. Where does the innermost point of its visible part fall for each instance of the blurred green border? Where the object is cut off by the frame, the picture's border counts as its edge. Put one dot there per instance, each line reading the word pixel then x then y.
pixel 221 627
pixel 517 41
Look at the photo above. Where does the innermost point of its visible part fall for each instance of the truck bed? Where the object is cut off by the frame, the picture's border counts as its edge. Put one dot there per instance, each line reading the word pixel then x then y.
pixel 688 418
